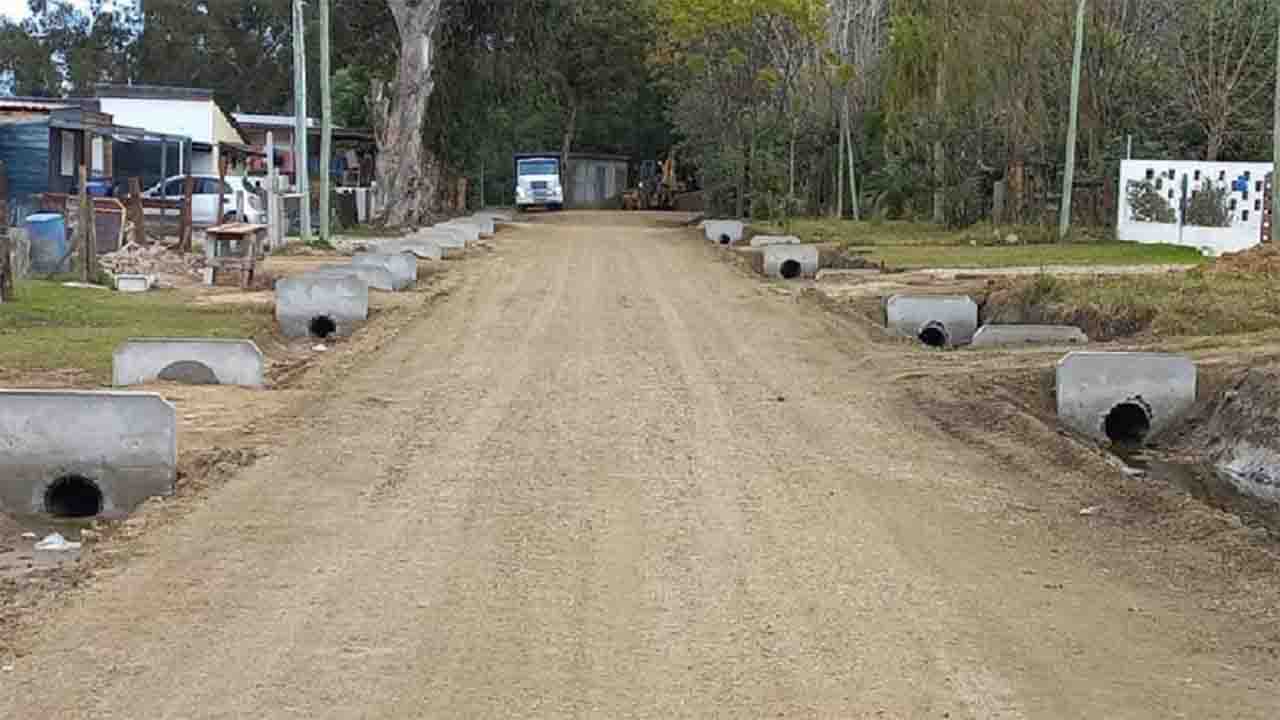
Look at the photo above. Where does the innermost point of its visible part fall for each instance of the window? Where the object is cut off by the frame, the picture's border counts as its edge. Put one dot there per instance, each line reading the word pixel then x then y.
pixel 68 154
pixel 1197 178
pixel 1151 174
pixel 1244 216
pixel 1160 183
pixel 99 156
pixel 173 188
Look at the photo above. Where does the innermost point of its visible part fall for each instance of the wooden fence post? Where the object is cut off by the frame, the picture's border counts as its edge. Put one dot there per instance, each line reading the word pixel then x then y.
pixel 6 267
pixel 137 215
pixel 188 188
pixel 88 236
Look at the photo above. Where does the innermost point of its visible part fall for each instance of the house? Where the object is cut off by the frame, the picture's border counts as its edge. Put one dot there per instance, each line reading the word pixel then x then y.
pixel 354 150
pixel 189 112
pixel 43 142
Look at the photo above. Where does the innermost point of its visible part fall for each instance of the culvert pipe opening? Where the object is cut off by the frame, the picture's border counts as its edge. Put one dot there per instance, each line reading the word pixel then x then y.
pixel 322 326
pixel 725 239
pixel 73 496
pixel 790 269
pixel 935 335
pixel 1128 423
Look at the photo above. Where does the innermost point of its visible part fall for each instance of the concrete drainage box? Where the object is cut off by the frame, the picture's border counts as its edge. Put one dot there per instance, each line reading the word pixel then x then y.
pixel 936 320
pixel 320 305
pixel 200 361
pixel 470 233
pixel 425 249
pixel 82 454
pixel 484 222
pixel 133 283
pixel 724 232
pixel 1124 397
pixel 403 268
pixel 1007 335
pixel 767 240
pixel 375 276
pixel 790 262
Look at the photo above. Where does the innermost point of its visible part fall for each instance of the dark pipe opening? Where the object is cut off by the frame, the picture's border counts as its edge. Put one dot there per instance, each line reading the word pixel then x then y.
pixel 790 269
pixel 322 326
pixel 725 239
pixel 1128 423
pixel 73 496
pixel 935 335
pixel 189 372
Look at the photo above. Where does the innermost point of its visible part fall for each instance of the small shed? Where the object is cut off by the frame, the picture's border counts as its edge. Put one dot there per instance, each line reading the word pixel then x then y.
pixel 596 180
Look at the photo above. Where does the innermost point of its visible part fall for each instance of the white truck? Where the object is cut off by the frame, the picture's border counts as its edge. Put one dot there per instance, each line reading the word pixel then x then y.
pixel 538 181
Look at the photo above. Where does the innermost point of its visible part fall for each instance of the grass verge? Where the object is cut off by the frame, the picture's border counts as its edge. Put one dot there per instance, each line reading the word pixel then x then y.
pixel 910 245
pixel 51 327
pixel 1199 303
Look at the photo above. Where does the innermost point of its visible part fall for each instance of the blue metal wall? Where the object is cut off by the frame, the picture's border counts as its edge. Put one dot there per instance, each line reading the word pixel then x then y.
pixel 24 149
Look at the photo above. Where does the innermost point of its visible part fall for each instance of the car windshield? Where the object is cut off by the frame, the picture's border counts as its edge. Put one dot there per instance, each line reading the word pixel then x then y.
pixel 539 167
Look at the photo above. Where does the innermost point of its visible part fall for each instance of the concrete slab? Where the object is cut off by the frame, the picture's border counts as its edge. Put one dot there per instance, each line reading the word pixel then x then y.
pixel 790 262
pixel 72 453
pixel 133 283
pixel 939 320
pixel 724 232
pixel 403 268
pixel 377 277
pixel 1006 335
pixel 498 216
pixel 320 306
pixel 200 361
pixel 1102 395
pixel 767 240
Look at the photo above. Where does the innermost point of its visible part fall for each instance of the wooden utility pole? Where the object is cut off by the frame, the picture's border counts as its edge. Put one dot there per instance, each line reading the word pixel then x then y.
pixel 326 122
pixel 1275 168
pixel 300 165
pixel 188 218
pixel 1073 128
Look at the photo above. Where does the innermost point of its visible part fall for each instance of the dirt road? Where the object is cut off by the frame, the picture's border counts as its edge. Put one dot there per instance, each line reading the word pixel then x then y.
pixel 612 477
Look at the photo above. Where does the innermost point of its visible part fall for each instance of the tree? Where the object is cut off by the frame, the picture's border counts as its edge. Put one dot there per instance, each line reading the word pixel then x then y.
pixel 1220 51
pixel 405 169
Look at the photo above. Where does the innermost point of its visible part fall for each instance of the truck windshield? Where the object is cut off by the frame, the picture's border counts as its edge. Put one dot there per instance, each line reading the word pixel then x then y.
pixel 539 167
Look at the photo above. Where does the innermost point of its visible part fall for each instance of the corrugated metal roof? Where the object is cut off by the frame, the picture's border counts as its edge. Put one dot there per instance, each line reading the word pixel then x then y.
pixel 273 121
pixel 32 104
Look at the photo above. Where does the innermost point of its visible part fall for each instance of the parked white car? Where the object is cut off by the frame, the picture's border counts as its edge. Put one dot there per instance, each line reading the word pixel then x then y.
pixel 204 198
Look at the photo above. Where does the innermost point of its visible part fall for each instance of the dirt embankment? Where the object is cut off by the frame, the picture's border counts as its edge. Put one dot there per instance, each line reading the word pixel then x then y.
pixel 1239 431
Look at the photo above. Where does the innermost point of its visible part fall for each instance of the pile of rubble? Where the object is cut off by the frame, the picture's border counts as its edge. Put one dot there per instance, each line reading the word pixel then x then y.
pixel 169 267
pixel 1259 260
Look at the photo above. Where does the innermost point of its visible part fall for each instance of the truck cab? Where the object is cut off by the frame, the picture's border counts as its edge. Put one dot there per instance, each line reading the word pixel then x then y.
pixel 538 182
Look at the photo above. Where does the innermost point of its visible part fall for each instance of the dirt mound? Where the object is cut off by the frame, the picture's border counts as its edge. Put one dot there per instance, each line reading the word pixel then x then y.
pixel 1260 260
pixel 169 266
pixel 1242 433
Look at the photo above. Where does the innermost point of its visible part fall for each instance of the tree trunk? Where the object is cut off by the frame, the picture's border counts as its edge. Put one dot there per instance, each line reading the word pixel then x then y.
pixel 566 147
pixel 939 152
pixel 407 191
pixel 839 175
pixel 1216 140
pixel 855 208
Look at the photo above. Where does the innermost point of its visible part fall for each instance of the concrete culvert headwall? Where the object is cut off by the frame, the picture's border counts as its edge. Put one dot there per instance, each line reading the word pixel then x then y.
pixel 1124 398
pixel 190 360
pixel 78 454
pixel 343 299
pixel 791 262
pixel 412 247
pixel 375 276
pixel 724 232
pixel 403 268
pixel 921 317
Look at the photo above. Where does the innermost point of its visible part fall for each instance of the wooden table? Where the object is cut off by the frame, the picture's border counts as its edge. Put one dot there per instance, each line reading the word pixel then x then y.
pixel 235 247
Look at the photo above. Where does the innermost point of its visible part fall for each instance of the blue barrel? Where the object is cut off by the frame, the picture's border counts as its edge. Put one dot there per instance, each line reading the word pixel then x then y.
pixel 49 246
pixel 99 187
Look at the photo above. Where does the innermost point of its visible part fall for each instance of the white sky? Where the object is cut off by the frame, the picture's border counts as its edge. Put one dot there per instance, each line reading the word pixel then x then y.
pixel 17 9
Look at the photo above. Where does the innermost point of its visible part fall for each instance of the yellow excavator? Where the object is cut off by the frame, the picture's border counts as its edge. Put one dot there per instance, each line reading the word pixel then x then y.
pixel 658 186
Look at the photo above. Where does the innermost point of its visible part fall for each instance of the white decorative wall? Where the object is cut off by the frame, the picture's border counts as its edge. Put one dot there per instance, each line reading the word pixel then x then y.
pixel 1175 180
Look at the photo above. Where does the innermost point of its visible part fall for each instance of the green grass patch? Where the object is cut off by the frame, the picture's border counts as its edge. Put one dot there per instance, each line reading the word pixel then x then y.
pixel 960 256
pixel 51 327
